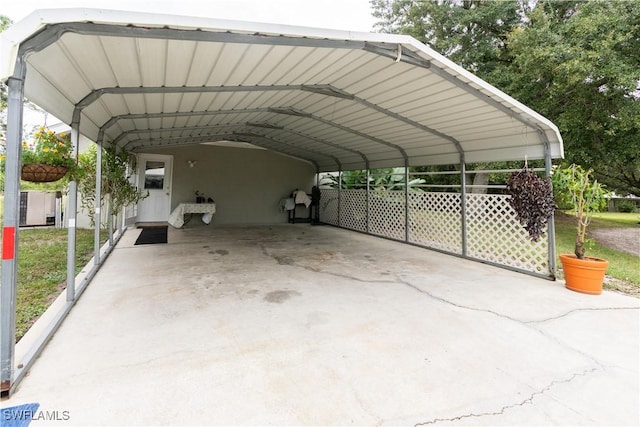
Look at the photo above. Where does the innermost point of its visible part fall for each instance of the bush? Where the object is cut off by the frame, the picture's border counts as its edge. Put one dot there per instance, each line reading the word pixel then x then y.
pixel 626 206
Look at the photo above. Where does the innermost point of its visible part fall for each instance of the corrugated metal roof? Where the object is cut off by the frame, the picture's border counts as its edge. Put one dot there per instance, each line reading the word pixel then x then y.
pixel 340 100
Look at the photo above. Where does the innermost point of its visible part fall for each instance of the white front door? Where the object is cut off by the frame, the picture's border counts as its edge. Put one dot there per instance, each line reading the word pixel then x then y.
pixel 155 177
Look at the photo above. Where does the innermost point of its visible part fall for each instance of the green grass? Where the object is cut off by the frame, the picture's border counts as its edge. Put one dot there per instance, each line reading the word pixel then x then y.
pixel 622 266
pixel 42 267
pixel 615 220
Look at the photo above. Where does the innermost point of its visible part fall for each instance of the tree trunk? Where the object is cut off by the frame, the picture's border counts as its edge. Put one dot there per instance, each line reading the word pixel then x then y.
pixel 480 179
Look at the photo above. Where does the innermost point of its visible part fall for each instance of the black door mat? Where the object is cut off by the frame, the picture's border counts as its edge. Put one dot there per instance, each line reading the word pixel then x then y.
pixel 152 235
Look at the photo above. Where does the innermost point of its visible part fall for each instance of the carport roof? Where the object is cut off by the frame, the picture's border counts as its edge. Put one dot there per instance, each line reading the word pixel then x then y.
pixel 338 99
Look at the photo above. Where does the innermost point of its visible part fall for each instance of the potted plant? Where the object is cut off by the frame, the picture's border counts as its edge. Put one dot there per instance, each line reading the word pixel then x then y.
pixel 576 187
pixel 48 158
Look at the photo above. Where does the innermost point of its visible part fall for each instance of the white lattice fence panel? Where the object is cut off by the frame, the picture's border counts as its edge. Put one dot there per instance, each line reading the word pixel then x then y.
pixel 329 206
pixel 435 221
pixel 353 209
pixel 387 214
pixel 494 234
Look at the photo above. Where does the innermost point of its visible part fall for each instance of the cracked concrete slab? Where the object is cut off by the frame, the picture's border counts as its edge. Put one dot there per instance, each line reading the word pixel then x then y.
pixel 303 325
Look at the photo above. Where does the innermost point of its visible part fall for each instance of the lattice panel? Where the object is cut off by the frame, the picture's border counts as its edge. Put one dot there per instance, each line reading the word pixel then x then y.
pixel 386 214
pixel 353 209
pixel 329 206
pixel 435 221
pixel 494 234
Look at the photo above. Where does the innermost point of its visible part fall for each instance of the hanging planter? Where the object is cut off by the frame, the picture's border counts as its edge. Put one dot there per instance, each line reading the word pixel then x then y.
pixel 532 200
pixel 48 159
pixel 40 172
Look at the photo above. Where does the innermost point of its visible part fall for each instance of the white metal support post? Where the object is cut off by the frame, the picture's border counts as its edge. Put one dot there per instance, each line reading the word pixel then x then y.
pixel 10 230
pixel 551 228
pixel 406 201
pixel 339 197
pixel 368 200
pixel 463 203
pixel 98 204
pixel 72 213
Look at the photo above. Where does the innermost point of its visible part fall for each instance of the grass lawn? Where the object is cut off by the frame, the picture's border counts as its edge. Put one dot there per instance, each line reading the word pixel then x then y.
pixel 622 266
pixel 615 219
pixel 42 269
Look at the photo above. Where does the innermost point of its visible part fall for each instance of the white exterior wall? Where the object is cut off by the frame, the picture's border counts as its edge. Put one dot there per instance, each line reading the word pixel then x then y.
pixel 246 184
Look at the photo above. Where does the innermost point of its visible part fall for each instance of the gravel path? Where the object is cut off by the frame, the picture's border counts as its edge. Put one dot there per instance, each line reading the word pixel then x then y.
pixel 622 239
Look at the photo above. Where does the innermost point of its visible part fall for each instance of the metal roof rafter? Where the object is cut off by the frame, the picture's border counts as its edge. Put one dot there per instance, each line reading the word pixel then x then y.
pixel 160 115
pixel 234 137
pixel 140 143
pixel 321 89
pixel 277 141
pixel 491 101
pixel 53 32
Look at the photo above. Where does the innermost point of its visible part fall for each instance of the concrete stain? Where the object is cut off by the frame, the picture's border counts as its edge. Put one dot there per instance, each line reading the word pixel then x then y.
pixel 284 259
pixel 281 296
pixel 220 252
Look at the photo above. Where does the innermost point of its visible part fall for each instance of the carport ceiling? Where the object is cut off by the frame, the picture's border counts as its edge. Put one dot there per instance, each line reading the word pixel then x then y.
pixel 337 99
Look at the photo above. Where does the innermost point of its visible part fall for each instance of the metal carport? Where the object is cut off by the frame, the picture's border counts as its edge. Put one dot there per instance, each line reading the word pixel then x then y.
pixel 339 100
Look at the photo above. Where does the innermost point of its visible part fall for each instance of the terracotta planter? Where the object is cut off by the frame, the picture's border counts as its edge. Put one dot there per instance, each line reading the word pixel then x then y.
pixel 38 172
pixel 584 275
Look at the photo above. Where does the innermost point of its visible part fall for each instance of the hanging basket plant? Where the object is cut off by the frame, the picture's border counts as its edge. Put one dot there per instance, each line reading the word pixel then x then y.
pixel 48 158
pixel 40 172
pixel 532 199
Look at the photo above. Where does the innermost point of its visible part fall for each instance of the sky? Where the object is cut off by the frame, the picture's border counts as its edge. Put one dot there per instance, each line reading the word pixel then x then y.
pixel 354 15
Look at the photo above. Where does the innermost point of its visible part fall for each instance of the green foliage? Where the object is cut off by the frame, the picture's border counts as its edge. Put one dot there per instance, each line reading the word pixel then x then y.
pixel 622 265
pixel 389 179
pixel 626 206
pixel 116 182
pixel 576 62
pixel 532 199
pixel 586 195
pixel 49 148
pixel 472 33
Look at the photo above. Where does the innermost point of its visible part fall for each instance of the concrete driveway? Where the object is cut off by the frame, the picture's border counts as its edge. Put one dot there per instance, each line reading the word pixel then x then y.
pixel 303 325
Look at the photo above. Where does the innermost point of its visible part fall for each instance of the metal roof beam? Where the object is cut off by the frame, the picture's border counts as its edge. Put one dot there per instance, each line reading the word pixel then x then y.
pixel 409 122
pixel 303 135
pixel 53 32
pixel 489 100
pixel 95 94
pixel 322 89
pixel 178 129
pixel 180 141
pixel 257 135
pixel 287 111
pixel 397 53
pixel 328 90
pixel 244 137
